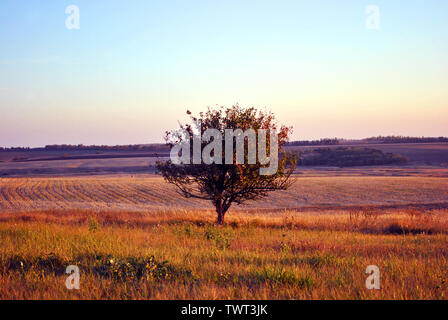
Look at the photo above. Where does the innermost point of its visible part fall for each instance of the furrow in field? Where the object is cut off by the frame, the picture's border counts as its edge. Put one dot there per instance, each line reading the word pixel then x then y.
pixel 58 188
pixel 14 196
pixel 38 196
pixel 83 188
pixel 138 194
pixel 69 196
pixel 127 192
pixel 37 191
pixel 74 188
pixel 51 190
pixel 17 190
pixel 20 192
pixel 5 198
pixel 114 192
pixel 101 195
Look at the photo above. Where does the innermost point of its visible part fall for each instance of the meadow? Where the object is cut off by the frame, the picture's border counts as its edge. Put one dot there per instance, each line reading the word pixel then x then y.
pixel 134 237
pixel 182 255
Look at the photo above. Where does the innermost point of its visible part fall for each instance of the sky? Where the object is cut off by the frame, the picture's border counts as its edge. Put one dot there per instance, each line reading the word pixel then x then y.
pixel 133 68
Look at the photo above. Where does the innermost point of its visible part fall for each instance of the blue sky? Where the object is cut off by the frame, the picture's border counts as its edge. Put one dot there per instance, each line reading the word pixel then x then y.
pixel 133 68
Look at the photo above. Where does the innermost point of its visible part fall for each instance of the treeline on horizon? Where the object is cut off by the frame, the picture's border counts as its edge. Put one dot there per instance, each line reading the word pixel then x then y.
pixel 402 139
pixel 349 157
pixel 378 139
pixel 159 147
pixel 156 147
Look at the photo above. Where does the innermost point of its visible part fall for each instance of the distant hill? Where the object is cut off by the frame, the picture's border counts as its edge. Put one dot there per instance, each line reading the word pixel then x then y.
pixel 371 140
pixel 160 147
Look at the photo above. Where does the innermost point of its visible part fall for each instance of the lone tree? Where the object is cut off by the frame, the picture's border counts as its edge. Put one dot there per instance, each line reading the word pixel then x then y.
pixel 228 179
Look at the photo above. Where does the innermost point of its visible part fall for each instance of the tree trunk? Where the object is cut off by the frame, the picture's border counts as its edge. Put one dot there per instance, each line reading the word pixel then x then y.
pixel 221 213
pixel 220 219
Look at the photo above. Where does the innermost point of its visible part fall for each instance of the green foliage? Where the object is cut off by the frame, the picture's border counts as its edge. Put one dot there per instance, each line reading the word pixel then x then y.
pixel 320 260
pixel 188 231
pixel 119 269
pixel 93 224
pixel 49 264
pixel 396 228
pixel 132 268
pixel 221 239
pixel 279 275
pixel 348 156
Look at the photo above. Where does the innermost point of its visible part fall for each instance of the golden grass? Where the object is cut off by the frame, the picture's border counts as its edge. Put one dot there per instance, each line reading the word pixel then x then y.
pixel 369 221
pixel 313 241
pixel 308 255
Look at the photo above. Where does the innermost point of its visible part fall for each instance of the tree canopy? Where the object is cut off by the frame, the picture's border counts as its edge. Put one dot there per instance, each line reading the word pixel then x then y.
pixel 225 183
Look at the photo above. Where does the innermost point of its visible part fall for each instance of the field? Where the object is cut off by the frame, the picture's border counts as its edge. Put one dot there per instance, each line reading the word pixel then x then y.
pixel 292 256
pixel 134 237
pixel 311 242
pixel 150 192
pixel 29 163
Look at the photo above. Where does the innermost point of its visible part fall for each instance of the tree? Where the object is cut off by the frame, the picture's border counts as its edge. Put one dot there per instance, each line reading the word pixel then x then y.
pixel 225 182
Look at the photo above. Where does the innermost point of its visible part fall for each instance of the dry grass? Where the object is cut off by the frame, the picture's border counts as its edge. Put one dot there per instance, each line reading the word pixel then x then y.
pixel 368 221
pixel 311 242
pixel 306 255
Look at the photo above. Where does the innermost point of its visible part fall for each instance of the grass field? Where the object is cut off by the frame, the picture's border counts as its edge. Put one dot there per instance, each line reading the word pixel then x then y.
pixel 293 256
pixel 133 237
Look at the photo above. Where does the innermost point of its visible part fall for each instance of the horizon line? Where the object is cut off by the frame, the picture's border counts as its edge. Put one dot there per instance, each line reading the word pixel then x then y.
pixel 3 148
